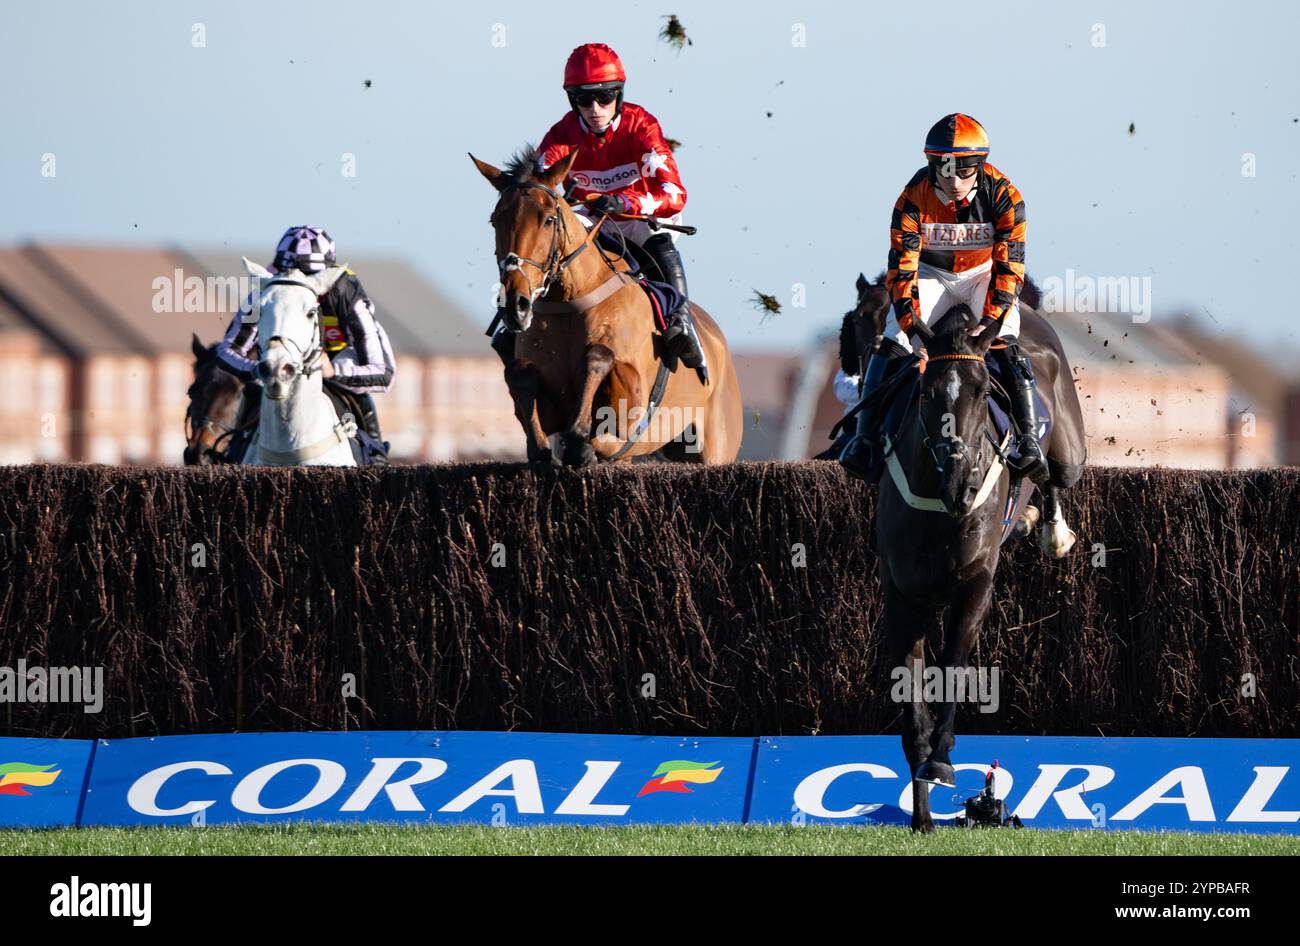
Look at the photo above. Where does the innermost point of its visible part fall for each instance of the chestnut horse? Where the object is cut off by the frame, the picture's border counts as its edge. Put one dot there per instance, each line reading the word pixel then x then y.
pixel 587 355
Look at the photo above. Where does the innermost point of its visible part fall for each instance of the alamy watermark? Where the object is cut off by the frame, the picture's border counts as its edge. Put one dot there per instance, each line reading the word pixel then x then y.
pixel 25 684
pixel 203 294
pixel 978 685
pixel 1122 295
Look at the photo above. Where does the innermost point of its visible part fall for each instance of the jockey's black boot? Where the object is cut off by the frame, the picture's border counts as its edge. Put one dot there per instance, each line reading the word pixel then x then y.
pixel 1017 369
pixel 680 337
pixel 370 424
pixel 861 454
pixel 245 427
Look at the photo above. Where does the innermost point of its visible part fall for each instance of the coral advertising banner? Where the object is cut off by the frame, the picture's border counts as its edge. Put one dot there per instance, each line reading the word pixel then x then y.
pixel 498 778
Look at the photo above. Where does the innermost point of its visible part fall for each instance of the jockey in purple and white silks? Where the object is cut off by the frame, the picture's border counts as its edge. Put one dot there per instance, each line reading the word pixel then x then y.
pixel 352 338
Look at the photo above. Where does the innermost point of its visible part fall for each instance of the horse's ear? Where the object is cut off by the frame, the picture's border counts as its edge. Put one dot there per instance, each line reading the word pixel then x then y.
pixel 862 283
pixel 200 350
pixel 256 269
pixel 985 338
pixel 554 175
pixel 495 176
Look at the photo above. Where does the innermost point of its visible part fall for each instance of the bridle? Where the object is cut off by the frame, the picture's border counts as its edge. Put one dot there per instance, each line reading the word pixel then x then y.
pixel 944 449
pixel 555 264
pixel 307 361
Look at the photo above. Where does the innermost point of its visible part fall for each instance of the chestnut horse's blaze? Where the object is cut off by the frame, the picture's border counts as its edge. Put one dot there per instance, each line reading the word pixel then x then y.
pixel 586 356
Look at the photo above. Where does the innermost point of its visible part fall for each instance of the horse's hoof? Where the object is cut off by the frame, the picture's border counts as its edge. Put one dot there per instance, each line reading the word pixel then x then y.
pixel 576 450
pixel 1056 538
pixel 1026 522
pixel 936 773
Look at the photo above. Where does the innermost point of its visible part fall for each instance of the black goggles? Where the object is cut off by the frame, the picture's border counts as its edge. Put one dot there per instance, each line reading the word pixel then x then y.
pixel 949 165
pixel 599 96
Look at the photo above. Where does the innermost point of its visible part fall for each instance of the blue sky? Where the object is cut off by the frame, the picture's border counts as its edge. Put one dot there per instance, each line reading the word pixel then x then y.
pixel 158 141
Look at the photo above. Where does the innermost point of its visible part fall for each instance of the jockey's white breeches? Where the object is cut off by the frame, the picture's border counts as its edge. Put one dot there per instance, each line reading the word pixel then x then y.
pixel 939 290
pixel 634 231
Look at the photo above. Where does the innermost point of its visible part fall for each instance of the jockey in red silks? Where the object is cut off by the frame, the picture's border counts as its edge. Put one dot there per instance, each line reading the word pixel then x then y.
pixel 957 236
pixel 624 166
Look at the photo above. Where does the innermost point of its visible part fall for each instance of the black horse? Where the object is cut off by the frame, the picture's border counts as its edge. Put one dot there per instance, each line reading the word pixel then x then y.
pixel 941 510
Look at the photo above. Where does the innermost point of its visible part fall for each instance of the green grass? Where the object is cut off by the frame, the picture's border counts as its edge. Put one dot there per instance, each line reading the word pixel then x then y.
pixel 701 839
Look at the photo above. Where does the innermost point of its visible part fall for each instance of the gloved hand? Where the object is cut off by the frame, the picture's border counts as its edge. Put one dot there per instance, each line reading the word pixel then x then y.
pixel 981 325
pixel 607 204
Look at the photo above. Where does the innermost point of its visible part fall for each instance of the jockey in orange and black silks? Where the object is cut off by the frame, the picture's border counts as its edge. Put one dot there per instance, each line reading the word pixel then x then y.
pixel 957 235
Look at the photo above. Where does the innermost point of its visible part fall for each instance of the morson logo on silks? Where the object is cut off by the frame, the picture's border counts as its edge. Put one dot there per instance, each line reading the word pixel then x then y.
pixel 676 776
pixel 497 778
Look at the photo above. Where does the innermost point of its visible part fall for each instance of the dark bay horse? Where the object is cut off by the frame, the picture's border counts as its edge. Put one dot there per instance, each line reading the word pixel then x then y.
pixel 938 534
pixel 214 405
pixel 587 353
pixel 858 331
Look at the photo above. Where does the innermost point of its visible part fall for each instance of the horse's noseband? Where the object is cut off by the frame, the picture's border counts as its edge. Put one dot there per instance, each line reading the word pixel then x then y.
pixel 554 265
pixel 307 361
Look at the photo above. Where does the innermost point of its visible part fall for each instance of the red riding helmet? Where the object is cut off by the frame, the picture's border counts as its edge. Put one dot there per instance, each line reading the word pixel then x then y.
pixel 593 66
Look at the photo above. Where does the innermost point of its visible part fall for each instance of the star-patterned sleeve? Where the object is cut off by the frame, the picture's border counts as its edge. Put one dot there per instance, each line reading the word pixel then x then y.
pixel 659 192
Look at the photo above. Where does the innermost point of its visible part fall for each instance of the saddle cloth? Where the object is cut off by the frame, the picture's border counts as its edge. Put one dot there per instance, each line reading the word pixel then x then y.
pixel 664 297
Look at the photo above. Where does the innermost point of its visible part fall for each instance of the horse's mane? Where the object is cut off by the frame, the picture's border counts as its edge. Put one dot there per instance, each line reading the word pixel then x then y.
pixel 522 165
pixel 1030 294
pixel 848 345
pixel 950 332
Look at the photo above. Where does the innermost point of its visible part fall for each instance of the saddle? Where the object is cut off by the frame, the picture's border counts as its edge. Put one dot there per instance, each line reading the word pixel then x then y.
pixel 364 447
pixel 664 297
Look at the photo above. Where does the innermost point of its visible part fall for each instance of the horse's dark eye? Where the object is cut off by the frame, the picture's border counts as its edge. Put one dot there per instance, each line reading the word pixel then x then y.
pixel 550 221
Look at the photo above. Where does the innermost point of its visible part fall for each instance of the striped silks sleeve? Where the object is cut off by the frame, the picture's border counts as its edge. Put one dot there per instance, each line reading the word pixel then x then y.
pixel 904 258
pixel 1008 250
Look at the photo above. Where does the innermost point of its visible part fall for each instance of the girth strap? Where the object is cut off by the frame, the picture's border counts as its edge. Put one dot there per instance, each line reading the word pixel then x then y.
pixel 656 395
pixel 586 301
pixel 340 433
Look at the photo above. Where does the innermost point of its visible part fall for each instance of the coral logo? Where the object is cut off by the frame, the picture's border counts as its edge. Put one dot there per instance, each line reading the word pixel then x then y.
pixel 16 777
pixel 677 775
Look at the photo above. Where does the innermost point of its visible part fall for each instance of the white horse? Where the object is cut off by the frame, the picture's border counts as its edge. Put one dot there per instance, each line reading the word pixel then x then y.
pixel 298 425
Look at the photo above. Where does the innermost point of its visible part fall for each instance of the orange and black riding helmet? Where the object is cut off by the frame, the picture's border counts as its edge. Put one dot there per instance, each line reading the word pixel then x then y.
pixel 960 136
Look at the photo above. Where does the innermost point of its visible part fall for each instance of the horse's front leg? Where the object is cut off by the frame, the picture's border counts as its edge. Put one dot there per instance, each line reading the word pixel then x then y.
pixel 905 628
pixel 576 439
pixel 962 623
pixel 524 382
